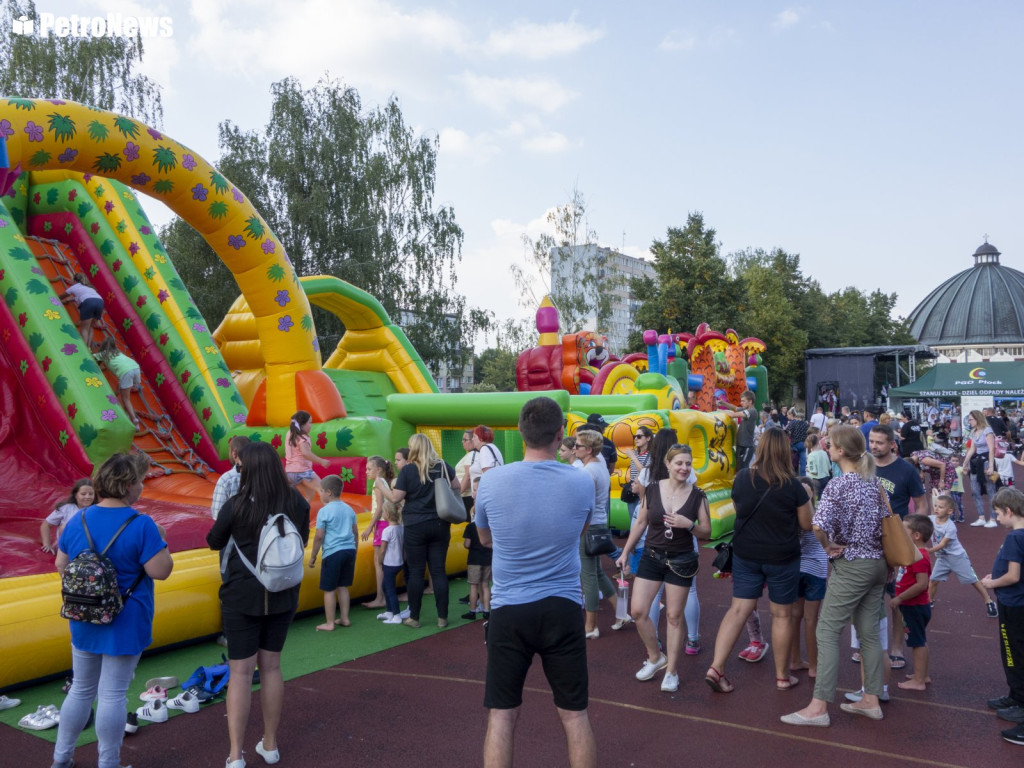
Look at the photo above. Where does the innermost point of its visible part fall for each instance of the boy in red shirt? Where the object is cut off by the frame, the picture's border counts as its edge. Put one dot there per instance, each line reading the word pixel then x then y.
pixel 914 604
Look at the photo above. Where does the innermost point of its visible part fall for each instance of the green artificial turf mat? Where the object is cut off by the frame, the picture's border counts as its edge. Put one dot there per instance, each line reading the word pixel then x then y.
pixel 306 651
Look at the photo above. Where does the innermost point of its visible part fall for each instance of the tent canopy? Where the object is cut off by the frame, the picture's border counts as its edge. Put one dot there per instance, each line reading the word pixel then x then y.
pixel 966 379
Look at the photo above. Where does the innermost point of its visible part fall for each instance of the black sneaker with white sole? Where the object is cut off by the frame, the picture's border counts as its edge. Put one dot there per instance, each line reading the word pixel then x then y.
pixel 131 724
pixel 1014 735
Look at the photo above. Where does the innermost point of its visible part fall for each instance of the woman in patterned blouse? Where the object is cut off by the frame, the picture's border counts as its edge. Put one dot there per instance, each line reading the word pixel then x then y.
pixel 848 523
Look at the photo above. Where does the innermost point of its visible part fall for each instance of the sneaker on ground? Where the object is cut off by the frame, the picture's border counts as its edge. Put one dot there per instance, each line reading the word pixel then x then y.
pixel 131 725
pixel 692 647
pixel 222 641
pixel 200 694
pixel 164 682
pixel 670 682
pixel 1014 735
pixel 8 703
pixel 239 763
pixel 469 616
pixel 650 669
pixel 978 523
pixel 1014 714
pixel 991 524
pixel 186 702
pixel 396 619
pixel 464 600
pixel 620 623
pixel 991 611
pixel 404 614
pixel 384 616
pixel 856 696
pixel 754 652
pixel 1001 703
pixel 270 756
pixel 154 693
pixel 154 712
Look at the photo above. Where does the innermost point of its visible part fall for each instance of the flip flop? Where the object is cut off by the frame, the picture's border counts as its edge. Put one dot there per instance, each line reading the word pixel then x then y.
pixel 897 662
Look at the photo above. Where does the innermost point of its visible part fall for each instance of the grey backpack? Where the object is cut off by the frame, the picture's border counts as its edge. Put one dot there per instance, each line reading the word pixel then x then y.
pixel 279 555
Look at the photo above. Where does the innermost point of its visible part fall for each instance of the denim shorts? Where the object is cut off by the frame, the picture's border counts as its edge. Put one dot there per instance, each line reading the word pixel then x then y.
pixel 297 477
pixel 131 380
pixel 91 309
pixel 750 576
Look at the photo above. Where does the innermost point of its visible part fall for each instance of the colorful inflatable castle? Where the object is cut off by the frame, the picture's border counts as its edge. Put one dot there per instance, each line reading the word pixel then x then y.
pixel 650 389
pixel 69 176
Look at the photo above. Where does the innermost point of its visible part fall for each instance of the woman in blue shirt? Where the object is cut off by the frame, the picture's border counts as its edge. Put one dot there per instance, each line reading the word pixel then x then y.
pixel 104 656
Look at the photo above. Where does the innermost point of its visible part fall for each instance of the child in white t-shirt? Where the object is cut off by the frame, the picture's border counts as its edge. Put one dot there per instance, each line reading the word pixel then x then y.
pixel 950 555
pixel 392 544
pixel 82 496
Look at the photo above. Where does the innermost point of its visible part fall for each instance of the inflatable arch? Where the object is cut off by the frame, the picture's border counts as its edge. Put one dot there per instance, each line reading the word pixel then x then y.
pixel 52 134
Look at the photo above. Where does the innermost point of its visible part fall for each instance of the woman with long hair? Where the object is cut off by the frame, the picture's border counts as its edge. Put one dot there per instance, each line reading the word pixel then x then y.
pixel 980 465
pixel 848 523
pixel 595 581
pixel 427 536
pixel 673 513
pixel 104 656
pixel 655 472
pixel 771 508
pixel 256 621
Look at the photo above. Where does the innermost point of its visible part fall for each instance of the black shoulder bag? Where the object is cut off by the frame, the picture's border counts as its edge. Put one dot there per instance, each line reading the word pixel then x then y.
pixel 723 560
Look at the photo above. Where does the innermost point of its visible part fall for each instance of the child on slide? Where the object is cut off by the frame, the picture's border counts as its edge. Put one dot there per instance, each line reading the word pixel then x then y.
pixel 127 371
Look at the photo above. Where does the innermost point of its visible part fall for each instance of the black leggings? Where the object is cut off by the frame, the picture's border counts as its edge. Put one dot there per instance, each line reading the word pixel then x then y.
pixel 426 545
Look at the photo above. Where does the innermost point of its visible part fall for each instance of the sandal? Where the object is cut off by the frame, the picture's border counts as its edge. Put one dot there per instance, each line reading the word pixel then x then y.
pixel 785 683
pixel 718 681
pixel 897 662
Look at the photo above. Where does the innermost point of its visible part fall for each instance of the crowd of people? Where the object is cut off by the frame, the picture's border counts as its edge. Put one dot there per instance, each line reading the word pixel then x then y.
pixel 809 498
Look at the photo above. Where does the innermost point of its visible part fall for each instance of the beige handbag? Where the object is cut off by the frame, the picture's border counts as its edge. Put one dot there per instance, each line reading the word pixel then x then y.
pixel 898 547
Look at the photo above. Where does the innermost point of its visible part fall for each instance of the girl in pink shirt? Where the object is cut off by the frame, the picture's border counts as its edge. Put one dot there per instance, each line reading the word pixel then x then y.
pixel 299 456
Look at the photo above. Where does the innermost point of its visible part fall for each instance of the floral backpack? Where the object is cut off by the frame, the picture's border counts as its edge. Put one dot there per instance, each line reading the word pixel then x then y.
pixel 89 584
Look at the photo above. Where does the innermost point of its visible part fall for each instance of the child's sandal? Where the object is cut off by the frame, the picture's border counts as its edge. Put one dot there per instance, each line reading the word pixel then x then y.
pixel 785 683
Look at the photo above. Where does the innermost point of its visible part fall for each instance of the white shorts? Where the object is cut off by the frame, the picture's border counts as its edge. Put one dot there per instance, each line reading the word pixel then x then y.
pixel 958 564
pixel 131 380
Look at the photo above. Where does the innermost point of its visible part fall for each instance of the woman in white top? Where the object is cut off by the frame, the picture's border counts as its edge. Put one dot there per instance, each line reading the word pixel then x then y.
pixel 487 454
pixel 980 464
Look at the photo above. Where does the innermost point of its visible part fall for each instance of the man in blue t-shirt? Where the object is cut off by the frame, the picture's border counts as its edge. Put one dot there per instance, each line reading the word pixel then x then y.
pixel 870 422
pixel 899 478
pixel 533 513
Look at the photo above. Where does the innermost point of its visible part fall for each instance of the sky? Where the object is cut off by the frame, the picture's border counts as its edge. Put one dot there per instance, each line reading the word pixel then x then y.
pixel 880 141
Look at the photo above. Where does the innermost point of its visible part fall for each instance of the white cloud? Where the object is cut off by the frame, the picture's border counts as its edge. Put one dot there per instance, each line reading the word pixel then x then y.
pixel 549 142
pixel 501 94
pixel 541 41
pixel 788 18
pixel 369 43
pixel 678 40
pixel 479 148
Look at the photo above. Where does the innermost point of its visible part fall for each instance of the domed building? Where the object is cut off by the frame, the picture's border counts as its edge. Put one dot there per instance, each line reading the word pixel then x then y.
pixel 976 315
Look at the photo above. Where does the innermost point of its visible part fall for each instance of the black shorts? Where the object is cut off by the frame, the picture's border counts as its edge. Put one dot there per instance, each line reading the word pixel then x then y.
pixel 338 570
pixel 248 634
pixel 551 628
pixel 915 619
pixel 654 567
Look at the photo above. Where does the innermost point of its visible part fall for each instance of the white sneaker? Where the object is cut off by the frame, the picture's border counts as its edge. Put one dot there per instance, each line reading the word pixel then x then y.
pixel 384 616
pixel 395 619
pixel 593 634
pixel 978 523
pixel 186 702
pixel 404 614
pixel 270 756
pixel 991 524
pixel 239 763
pixel 670 682
pixel 8 703
pixel 154 712
pixel 649 670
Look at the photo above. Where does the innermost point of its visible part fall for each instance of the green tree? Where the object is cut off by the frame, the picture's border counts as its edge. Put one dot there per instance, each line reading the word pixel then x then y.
pixel 99 71
pixel 569 266
pixel 497 367
pixel 350 192
pixel 693 283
